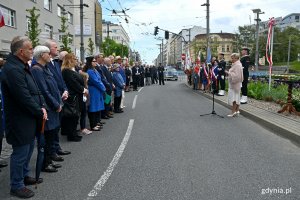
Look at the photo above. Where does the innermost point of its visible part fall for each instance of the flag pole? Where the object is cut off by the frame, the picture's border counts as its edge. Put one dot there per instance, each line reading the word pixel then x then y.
pixel 271 64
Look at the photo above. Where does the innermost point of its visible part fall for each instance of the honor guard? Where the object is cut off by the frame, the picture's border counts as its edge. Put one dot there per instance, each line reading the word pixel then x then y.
pixel 221 74
pixel 245 60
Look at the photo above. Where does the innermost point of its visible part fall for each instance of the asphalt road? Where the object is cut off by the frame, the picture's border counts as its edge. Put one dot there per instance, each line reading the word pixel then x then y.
pixel 161 149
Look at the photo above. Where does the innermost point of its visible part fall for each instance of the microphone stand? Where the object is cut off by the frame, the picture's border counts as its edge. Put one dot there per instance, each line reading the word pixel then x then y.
pixel 213 112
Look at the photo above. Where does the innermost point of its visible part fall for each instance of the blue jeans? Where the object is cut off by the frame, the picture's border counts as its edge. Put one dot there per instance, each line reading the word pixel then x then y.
pixel 19 165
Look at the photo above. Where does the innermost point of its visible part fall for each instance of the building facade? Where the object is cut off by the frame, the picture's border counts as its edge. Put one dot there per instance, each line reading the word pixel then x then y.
pixel 92 26
pixel 116 32
pixel 220 43
pixel 17 20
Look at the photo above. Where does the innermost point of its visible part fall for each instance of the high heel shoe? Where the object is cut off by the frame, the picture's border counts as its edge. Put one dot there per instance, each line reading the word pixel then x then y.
pixel 232 115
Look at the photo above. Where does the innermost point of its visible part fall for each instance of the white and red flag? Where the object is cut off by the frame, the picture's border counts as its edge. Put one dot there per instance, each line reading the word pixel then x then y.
pixel 269 44
pixel 2 23
pixel 269 47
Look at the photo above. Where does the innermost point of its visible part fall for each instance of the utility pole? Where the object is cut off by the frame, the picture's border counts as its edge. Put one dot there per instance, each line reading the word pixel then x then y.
pixel 207 28
pixel 289 52
pixel 257 12
pixel 81 32
pixel 107 24
pixel 162 51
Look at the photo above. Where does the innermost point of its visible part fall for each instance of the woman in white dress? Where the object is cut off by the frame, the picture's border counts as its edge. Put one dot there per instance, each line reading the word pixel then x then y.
pixel 235 79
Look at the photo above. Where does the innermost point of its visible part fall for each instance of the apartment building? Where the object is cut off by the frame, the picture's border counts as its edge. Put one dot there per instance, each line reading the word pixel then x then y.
pixel 17 20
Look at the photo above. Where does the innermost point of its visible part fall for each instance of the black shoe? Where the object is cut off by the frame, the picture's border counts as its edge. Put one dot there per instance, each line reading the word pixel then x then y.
pixel 74 139
pixel 31 181
pixel 23 193
pixel 57 158
pixel 55 165
pixel 62 153
pixel 49 169
pixel 3 163
pixel 101 123
pixel 105 117
pixel 79 136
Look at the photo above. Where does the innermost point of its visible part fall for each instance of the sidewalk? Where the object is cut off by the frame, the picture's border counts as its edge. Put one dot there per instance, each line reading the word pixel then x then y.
pixel 277 123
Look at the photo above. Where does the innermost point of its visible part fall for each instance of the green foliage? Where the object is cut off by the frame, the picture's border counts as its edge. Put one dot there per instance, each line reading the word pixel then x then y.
pixel 110 47
pixel 91 47
pixel 66 39
pixel 295 65
pixel 33 30
pixel 260 91
pixel 255 90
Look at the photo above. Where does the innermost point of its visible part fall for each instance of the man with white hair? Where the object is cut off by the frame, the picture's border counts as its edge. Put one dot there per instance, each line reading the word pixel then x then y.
pixel 56 71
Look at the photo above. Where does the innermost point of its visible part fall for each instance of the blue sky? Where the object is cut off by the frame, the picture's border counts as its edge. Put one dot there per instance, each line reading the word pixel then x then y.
pixel 174 15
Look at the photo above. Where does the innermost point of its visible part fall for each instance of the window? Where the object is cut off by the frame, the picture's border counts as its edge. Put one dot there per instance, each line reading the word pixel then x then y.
pixel 49 29
pixel 227 48
pixel 60 10
pixel 48 5
pixel 70 18
pixel 114 30
pixel 223 48
pixel 28 23
pixel 9 16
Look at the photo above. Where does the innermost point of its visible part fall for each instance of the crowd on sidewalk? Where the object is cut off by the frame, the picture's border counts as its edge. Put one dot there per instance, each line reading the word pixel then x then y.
pixel 46 92
pixel 211 76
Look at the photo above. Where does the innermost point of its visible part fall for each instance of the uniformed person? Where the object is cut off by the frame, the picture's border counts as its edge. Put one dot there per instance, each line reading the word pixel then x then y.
pixel 221 74
pixel 245 60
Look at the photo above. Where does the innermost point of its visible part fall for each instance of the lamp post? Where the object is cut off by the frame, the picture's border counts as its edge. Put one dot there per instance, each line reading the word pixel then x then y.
pixel 207 29
pixel 81 5
pixel 257 12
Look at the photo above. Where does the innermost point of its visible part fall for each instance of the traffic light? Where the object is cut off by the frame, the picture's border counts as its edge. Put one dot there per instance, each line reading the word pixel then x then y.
pixel 166 35
pixel 155 30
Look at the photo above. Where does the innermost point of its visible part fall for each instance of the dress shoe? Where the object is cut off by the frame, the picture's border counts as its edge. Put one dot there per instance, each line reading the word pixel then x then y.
pixel 105 117
pixel 23 193
pixel 74 139
pixel 110 116
pixel 232 115
pixel 96 128
pixel 57 158
pixel 3 163
pixel 62 153
pixel 55 165
pixel 49 169
pixel 101 123
pixel 31 181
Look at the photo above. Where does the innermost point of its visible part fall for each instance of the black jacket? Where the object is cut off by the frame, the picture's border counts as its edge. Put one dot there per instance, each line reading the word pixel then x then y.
pixel 75 84
pixel 22 102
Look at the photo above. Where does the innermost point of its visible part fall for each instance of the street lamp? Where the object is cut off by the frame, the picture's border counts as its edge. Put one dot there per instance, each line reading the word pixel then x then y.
pixel 81 5
pixel 257 12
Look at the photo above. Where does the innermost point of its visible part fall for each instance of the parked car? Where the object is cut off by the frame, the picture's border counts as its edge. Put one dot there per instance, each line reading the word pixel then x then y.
pixel 170 73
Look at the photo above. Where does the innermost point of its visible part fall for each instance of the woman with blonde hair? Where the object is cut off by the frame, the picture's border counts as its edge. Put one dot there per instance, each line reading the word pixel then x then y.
pixel 235 79
pixel 75 85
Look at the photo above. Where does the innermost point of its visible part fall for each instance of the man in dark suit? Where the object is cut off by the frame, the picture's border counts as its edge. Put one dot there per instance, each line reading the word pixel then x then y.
pixel 161 70
pixel 135 76
pixel 106 72
pixel 24 111
pixel 55 68
pixel 2 162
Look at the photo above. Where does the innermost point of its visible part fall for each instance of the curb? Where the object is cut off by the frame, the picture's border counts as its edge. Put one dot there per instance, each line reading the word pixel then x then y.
pixel 271 126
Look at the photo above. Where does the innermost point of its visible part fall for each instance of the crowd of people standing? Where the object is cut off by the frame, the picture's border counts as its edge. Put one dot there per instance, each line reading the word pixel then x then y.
pixel 51 92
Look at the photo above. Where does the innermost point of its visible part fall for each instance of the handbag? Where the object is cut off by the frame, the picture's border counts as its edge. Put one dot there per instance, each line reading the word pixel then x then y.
pixel 71 107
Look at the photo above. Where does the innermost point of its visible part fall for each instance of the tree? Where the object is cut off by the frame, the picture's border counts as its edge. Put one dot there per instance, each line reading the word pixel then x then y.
pixel 110 47
pixel 33 30
pixel 91 47
pixel 66 39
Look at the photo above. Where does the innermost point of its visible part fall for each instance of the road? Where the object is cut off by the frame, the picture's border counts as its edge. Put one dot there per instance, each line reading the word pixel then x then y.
pixel 161 149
